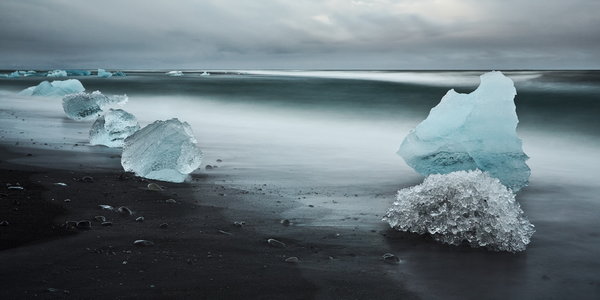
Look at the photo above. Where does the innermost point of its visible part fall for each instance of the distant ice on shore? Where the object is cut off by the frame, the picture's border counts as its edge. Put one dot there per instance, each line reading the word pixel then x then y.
pixel 54 88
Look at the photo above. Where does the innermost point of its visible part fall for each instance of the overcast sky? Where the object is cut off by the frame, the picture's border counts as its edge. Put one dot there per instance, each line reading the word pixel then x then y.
pixel 300 34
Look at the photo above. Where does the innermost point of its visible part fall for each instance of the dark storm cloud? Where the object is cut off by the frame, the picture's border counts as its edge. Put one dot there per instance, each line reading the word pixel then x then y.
pixel 299 34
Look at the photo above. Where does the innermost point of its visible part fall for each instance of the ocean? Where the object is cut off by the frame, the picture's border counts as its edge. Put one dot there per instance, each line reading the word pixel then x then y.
pixel 340 129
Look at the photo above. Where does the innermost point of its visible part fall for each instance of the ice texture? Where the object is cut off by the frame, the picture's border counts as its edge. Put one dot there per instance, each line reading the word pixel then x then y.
pixel 163 150
pixel 175 73
pixel 113 127
pixel 104 74
pixel 57 73
pixel 119 74
pixel 89 106
pixel 78 73
pixel 54 88
pixel 471 131
pixel 463 206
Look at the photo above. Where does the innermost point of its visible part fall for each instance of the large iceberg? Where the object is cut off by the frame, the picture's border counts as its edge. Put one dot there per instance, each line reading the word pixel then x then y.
pixel 57 73
pixel 113 127
pixel 54 88
pixel 84 106
pixel 163 150
pixel 471 131
pixel 463 207
pixel 104 74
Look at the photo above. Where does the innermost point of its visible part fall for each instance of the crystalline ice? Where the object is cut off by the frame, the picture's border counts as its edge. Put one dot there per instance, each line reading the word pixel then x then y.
pixel 119 74
pixel 205 74
pixel 57 73
pixel 78 73
pixel 104 74
pixel 463 206
pixel 471 131
pixel 163 150
pixel 54 88
pixel 175 73
pixel 84 106
pixel 112 128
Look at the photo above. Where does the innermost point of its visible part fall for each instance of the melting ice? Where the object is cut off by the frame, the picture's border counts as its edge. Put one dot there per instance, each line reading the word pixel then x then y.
pixel 471 131
pixel 54 88
pixel 463 206
pixel 112 128
pixel 88 106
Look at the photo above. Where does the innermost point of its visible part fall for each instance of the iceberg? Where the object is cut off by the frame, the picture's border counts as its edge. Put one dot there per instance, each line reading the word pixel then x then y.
pixel 463 207
pixel 84 106
pixel 104 74
pixel 54 88
pixel 78 73
pixel 471 131
pixel 175 73
pixel 163 150
pixel 57 73
pixel 112 128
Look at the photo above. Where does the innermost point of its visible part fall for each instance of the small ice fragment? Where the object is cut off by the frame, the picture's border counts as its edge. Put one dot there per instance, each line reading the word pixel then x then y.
pixel 78 73
pixel 57 73
pixel 54 88
pixel 390 258
pixel 60 184
pixel 119 74
pixel 463 207
pixel 154 187
pixel 175 73
pixel 106 207
pixel 112 128
pixel 104 74
pixel 171 201
pixel 205 74
pixel 163 150
pixel 84 106
pixel 471 131
pixel 15 187
pixel 139 219
pixel 292 260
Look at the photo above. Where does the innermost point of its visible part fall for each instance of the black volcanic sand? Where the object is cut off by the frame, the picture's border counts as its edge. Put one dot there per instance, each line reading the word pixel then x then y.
pixel 199 255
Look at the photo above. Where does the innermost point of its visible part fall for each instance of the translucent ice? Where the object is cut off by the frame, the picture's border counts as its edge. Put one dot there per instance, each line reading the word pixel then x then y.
pixel 54 88
pixel 471 131
pixel 463 206
pixel 104 74
pixel 163 150
pixel 119 74
pixel 205 74
pixel 112 128
pixel 78 73
pixel 175 73
pixel 57 73
pixel 84 106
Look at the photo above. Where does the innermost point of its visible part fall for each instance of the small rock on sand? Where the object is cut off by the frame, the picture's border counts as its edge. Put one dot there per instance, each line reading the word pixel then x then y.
pixel 164 226
pixel 292 260
pixel 171 201
pixel 84 224
pixel 143 243
pixel 88 179
pixel 106 224
pixel 125 211
pixel 154 187
pixel 139 219
pixel 391 258
pixel 275 243
pixel 100 219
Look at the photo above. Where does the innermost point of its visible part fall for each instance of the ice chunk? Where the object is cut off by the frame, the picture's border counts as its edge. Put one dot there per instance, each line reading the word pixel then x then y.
pixel 175 73
pixel 104 74
pixel 113 127
pixel 463 206
pixel 57 73
pixel 84 106
pixel 119 74
pixel 78 73
pixel 54 88
pixel 205 74
pixel 163 150
pixel 471 131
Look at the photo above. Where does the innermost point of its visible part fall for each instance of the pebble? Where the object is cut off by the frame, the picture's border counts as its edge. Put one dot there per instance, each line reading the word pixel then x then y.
pixel 164 226
pixel 106 224
pixel 88 179
pixel 143 243
pixel 84 224
pixel 139 219
pixel 4 223
pixel 390 258
pixel 154 187
pixel 71 224
pixel 171 201
pixel 100 219
pixel 239 223
pixel 285 222
pixel 209 167
pixel 219 160
pixel 275 243
pixel 292 260
pixel 67 200
pixel 125 211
